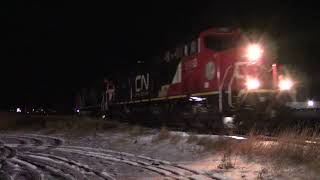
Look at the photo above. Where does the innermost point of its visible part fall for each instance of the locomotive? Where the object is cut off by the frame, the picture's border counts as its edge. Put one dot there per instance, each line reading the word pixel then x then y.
pixel 220 79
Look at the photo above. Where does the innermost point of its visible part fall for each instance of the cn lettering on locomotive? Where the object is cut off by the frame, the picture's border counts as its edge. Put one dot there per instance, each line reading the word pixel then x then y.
pixel 141 84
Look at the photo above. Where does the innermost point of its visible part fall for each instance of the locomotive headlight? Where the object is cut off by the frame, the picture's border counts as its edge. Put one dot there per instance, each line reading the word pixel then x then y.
pixel 254 52
pixel 285 84
pixel 252 83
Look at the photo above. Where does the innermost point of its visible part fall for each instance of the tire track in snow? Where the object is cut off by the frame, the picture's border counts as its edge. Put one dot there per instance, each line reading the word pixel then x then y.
pixel 39 156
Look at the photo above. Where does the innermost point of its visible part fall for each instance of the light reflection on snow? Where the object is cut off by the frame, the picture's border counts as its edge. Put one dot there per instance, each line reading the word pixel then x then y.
pixel 185 134
pixel 236 137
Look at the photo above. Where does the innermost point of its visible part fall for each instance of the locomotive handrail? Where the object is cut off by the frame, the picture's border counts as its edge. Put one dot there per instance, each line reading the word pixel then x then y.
pixel 230 90
pixel 221 87
pixel 235 74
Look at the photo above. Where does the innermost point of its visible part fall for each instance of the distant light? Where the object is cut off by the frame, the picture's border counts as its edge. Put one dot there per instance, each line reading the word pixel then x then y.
pixel 252 83
pixel 78 110
pixel 197 99
pixel 254 52
pixel 274 65
pixel 18 110
pixel 285 84
pixel 310 103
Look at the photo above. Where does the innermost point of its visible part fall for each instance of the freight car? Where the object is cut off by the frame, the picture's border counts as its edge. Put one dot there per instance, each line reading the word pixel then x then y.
pixel 219 79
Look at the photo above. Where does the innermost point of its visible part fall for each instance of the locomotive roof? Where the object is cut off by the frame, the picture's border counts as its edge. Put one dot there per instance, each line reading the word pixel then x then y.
pixel 220 31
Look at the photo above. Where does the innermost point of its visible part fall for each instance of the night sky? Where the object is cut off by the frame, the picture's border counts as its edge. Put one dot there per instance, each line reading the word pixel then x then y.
pixel 51 49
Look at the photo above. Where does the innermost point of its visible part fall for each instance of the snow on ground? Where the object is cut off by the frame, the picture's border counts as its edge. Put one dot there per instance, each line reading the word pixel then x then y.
pixel 188 154
pixel 120 155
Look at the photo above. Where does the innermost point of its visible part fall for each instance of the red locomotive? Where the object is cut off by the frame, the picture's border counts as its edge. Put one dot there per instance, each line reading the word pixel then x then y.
pixel 212 79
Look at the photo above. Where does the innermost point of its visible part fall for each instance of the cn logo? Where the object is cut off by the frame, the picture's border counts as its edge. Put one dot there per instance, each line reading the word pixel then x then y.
pixel 142 83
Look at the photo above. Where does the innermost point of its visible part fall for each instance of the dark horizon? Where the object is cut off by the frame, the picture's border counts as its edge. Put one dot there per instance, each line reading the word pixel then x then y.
pixel 50 50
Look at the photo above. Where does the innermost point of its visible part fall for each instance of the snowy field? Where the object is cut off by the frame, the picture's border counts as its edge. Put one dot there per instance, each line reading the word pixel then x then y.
pixel 130 153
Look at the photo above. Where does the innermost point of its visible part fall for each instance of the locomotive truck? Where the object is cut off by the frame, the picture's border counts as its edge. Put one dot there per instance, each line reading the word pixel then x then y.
pixel 220 79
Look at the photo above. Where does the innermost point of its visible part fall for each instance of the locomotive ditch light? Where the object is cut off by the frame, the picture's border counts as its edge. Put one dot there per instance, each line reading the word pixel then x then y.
pixel 228 121
pixel 285 84
pixel 310 103
pixel 254 52
pixel 197 99
pixel 252 84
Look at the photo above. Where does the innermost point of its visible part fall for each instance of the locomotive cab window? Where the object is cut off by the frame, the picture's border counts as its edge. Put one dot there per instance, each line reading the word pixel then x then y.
pixel 217 43
pixel 193 47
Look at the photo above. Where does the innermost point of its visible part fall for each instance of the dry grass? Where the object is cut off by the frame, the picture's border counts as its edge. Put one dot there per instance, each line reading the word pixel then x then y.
pixel 222 145
pixel 52 124
pixel 262 173
pixel 175 139
pixel 192 139
pixel 219 144
pixel 136 130
pixel 8 120
pixel 164 134
pixel 293 148
pixel 290 148
pixel 82 125
pixel 13 121
pixel 226 161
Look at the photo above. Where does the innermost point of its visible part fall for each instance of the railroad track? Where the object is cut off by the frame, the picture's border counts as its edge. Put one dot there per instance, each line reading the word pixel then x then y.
pixel 38 157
